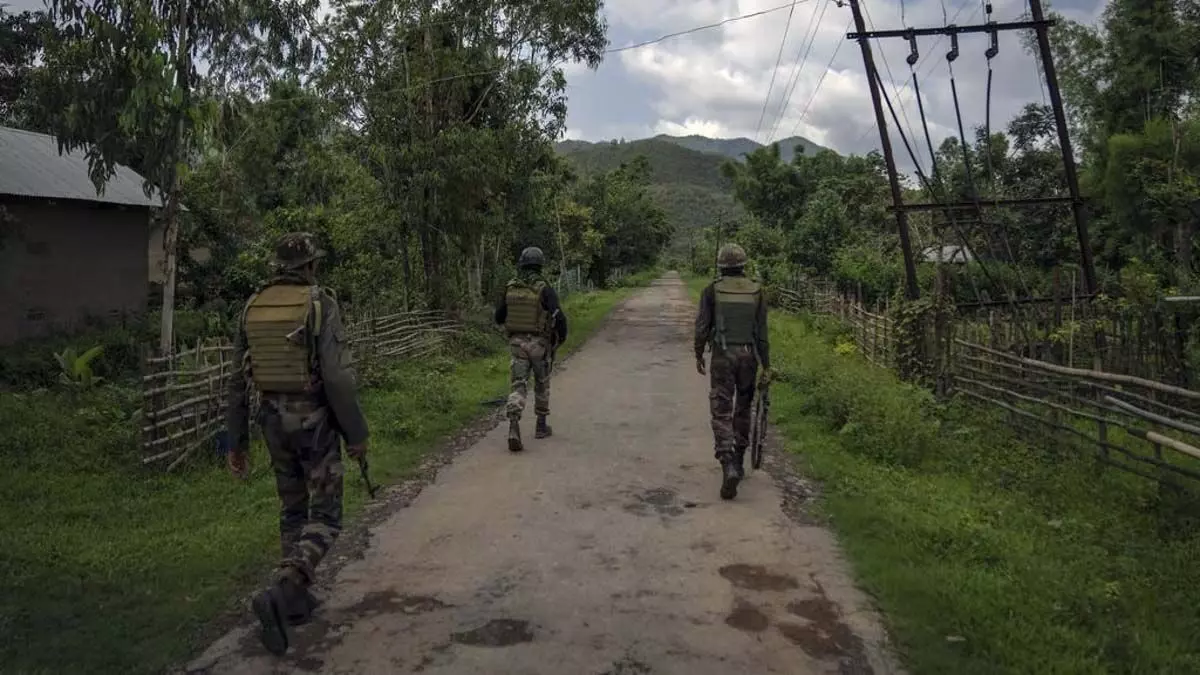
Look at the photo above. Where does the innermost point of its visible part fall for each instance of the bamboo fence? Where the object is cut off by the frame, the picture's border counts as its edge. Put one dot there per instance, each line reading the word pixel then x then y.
pixel 185 394
pixel 1142 425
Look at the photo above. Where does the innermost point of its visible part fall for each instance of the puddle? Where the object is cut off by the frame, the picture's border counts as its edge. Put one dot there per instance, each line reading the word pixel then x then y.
pixel 757 578
pixel 747 617
pixel 496 633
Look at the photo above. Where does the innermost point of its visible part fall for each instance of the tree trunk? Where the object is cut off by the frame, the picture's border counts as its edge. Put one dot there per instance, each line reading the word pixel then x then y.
pixel 171 223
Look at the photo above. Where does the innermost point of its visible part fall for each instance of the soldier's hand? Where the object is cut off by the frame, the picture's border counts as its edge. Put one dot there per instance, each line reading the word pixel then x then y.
pixel 700 366
pixel 764 378
pixel 357 452
pixel 239 463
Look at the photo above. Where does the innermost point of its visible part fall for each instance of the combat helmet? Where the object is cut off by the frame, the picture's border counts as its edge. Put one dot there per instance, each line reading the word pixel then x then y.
pixel 296 249
pixel 731 256
pixel 531 257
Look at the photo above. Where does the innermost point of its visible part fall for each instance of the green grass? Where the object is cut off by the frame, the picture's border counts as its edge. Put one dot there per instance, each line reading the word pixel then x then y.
pixel 985 554
pixel 109 569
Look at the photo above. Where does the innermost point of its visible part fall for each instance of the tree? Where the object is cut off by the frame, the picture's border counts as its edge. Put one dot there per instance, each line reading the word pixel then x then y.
pixel 121 77
pixel 21 39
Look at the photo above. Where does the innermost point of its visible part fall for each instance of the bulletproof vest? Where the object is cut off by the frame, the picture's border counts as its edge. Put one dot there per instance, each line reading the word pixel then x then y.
pixel 736 304
pixel 282 325
pixel 525 312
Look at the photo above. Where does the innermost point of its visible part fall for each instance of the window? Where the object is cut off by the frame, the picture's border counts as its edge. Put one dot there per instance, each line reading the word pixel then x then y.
pixel 35 314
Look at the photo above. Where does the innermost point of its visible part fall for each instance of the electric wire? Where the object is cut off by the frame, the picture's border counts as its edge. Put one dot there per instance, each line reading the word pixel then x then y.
pixel 775 71
pixel 812 97
pixel 798 68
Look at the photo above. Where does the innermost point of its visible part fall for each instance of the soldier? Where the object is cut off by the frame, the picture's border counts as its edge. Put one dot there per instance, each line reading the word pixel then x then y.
pixel 733 319
pixel 292 345
pixel 536 325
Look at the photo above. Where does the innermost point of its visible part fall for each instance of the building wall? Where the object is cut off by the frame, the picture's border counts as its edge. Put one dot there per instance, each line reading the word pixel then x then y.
pixel 63 262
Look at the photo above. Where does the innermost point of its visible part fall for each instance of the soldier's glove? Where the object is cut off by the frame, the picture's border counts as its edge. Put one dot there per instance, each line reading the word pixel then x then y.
pixel 239 463
pixel 357 452
pixel 700 365
pixel 764 378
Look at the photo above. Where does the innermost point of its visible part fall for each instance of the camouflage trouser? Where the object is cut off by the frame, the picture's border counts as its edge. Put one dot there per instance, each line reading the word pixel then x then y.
pixel 732 376
pixel 530 355
pixel 306 454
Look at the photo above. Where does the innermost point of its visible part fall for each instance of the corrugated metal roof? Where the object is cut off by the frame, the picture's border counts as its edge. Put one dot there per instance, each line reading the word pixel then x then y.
pixel 30 166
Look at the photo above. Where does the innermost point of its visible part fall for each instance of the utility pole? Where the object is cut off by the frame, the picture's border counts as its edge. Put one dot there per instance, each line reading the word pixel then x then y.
pixel 1040 25
pixel 1078 209
pixel 911 289
pixel 166 339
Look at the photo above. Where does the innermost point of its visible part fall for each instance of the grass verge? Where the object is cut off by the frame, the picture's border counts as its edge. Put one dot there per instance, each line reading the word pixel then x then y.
pixel 107 569
pixel 986 555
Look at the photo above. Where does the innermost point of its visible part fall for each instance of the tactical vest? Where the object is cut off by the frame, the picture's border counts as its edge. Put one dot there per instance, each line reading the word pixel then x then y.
pixel 735 301
pixel 282 324
pixel 525 312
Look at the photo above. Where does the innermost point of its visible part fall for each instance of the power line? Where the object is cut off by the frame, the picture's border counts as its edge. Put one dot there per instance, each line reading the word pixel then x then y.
pixel 790 5
pixel 821 81
pixel 891 78
pixel 962 6
pixel 798 69
pixel 775 71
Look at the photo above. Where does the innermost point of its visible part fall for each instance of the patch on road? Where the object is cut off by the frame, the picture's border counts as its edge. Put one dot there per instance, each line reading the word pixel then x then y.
pixel 747 617
pixel 496 633
pixel 657 501
pixel 757 578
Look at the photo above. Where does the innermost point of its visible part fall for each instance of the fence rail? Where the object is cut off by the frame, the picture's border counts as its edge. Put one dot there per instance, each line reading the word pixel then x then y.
pixel 185 393
pixel 1141 425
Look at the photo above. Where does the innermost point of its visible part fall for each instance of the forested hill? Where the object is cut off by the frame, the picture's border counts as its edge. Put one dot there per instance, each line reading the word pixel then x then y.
pixel 686 176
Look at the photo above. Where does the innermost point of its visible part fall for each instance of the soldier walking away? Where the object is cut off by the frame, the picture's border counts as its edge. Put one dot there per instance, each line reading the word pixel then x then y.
pixel 732 318
pixel 536 325
pixel 292 345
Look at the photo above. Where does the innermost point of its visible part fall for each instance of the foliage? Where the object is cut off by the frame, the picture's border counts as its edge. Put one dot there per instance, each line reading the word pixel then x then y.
pixel 985 555
pixel 77 368
pixel 156 552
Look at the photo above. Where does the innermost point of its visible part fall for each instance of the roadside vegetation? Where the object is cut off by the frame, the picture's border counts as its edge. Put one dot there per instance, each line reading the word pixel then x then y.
pixel 985 554
pixel 114 569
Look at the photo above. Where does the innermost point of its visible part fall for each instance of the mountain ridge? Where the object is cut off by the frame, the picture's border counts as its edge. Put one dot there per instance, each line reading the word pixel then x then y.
pixel 731 148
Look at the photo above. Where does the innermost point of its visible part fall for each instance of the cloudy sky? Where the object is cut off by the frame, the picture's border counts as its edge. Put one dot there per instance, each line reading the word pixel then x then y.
pixel 715 82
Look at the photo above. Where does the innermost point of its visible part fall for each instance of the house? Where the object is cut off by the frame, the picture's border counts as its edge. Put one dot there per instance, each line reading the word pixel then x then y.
pixel 68 254
pixel 949 253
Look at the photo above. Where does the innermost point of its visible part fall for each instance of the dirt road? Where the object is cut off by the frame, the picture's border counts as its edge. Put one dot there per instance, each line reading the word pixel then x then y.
pixel 604 550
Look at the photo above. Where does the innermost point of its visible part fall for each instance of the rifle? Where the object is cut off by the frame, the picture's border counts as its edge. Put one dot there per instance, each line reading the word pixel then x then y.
pixel 758 426
pixel 364 469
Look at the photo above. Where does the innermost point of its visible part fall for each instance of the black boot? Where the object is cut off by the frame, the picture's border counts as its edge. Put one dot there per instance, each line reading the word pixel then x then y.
pixel 271 607
pixel 739 461
pixel 543 430
pixel 730 477
pixel 302 607
pixel 514 436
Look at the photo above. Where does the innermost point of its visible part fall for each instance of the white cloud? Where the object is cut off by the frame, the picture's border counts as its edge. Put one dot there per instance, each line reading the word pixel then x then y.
pixel 715 81
pixel 692 126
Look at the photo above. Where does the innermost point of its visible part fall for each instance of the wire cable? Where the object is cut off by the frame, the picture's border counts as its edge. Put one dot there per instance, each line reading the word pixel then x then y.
pixel 821 81
pixel 798 69
pixel 888 67
pixel 775 71
pixel 697 29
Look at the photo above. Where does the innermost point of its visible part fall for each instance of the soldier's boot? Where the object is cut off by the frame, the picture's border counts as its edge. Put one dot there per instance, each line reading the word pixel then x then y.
pixel 739 461
pixel 514 436
pixel 271 608
pixel 730 477
pixel 543 430
pixel 302 607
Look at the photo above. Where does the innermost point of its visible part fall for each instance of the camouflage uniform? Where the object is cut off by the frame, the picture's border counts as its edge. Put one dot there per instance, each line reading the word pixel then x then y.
pixel 737 352
pixel 530 312
pixel 303 427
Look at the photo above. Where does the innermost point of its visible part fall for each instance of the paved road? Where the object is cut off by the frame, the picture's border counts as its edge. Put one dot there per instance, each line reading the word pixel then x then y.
pixel 604 550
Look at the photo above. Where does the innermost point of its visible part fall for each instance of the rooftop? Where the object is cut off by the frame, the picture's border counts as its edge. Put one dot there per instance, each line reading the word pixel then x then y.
pixel 30 166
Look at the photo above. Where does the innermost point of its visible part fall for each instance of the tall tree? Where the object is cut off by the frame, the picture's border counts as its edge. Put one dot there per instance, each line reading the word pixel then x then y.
pixel 123 78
